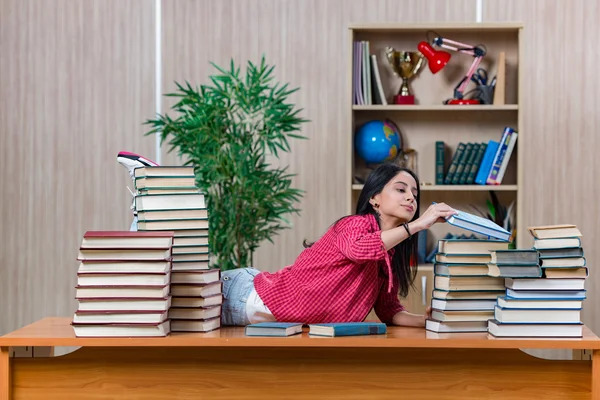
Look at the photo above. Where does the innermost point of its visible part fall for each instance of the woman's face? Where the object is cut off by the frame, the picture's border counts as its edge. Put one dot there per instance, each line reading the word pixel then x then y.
pixel 398 199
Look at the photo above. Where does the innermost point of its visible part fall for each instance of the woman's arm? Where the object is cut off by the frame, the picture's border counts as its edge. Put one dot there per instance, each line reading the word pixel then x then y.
pixel 404 318
pixel 435 213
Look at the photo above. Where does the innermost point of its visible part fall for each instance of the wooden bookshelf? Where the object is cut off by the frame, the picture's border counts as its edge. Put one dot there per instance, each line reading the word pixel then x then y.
pixel 430 120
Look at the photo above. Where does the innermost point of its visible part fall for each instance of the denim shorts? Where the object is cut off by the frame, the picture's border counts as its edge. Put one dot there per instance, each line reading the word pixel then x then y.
pixel 237 286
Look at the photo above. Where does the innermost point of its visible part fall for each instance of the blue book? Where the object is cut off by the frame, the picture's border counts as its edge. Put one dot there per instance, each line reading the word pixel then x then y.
pixel 486 162
pixel 477 224
pixel 348 329
pixel 273 329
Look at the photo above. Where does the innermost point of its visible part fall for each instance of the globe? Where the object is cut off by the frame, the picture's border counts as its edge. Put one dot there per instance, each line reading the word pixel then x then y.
pixel 377 142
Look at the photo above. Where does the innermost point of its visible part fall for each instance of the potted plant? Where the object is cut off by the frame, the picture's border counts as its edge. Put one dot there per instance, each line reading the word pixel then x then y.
pixel 228 131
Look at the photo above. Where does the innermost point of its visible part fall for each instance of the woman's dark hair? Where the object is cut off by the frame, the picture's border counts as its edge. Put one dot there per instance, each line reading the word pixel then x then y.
pixel 405 252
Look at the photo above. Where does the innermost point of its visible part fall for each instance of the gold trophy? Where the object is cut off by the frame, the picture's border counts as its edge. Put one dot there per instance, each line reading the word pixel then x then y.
pixel 405 64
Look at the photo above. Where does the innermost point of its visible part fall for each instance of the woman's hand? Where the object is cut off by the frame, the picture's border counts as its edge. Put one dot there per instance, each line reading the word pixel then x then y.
pixel 427 314
pixel 435 213
pixel 404 318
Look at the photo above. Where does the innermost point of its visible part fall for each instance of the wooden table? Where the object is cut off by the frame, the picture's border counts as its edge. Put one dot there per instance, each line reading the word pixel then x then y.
pixel 407 363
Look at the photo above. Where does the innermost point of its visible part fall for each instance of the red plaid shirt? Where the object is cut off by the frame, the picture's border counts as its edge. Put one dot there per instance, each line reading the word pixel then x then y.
pixel 338 279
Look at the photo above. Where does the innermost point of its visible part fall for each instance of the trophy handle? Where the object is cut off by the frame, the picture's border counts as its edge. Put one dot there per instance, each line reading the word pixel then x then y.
pixel 389 54
pixel 420 63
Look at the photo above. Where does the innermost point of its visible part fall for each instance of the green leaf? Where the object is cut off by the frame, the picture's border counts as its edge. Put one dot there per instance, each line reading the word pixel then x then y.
pixel 228 129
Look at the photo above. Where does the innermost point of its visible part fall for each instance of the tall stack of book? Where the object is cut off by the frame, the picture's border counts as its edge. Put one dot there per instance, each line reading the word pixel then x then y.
pixel 168 199
pixel 546 303
pixel 464 295
pixel 123 284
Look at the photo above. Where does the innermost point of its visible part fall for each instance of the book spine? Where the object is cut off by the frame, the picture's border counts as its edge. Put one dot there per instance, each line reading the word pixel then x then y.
pixel 461 163
pixel 454 164
pixel 506 160
pixel 476 163
pixel 491 179
pixel 486 163
pixel 439 162
pixel 469 164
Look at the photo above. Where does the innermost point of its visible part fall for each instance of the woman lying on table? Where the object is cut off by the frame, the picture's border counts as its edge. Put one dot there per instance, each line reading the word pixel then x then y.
pixel 362 262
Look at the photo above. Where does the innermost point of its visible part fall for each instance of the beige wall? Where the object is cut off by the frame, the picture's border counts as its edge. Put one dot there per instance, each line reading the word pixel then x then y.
pixel 76 83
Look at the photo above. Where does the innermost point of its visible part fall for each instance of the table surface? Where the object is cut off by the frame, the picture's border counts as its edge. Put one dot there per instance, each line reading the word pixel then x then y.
pixel 57 331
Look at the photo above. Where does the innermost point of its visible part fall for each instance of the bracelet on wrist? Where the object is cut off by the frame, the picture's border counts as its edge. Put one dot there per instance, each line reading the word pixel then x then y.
pixel 405 225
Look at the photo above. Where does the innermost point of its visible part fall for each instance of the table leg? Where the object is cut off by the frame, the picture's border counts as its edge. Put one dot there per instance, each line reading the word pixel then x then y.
pixel 596 375
pixel 5 378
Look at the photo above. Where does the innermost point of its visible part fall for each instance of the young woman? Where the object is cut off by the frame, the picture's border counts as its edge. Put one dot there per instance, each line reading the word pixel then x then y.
pixel 362 262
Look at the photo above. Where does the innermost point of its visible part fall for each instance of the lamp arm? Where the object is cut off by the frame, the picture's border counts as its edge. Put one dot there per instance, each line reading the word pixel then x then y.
pixel 459 47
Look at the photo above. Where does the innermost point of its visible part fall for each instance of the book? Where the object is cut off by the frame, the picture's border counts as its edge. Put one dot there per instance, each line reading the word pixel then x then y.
pixel 455 326
pixel 470 246
pixel 347 329
pixel 122 330
pixel 486 163
pixel 112 240
pixel 273 329
pixel 546 303
pixel 554 231
pixel 463 305
pixel 195 325
pixel 537 316
pixel 545 284
pixel 479 225
pixel 498 329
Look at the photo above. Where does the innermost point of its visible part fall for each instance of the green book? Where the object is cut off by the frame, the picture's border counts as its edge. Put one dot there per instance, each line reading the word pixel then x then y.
pixel 461 163
pixel 454 163
pixel 440 149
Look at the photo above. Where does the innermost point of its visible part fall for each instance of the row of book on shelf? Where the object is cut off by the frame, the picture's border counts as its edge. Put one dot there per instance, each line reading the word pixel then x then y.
pixel 475 163
pixel 155 280
pixel 480 285
pixel 366 76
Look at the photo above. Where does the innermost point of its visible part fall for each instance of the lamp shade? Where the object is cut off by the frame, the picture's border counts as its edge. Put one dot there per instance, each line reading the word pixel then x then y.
pixel 437 59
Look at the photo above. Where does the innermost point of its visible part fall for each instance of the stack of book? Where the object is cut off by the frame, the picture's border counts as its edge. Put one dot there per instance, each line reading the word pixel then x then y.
pixel 544 300
pixel 464 295
pixel 168 199
pixel 123 284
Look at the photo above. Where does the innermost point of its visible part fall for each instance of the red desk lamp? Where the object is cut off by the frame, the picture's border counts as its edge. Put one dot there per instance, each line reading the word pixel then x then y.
pixel 437 59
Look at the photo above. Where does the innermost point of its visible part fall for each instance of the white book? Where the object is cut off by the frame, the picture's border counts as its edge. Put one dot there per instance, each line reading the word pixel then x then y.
pixel 111 317
pixel 507 302
pixel 456 326
pixel 506 159
pixel 169 202
pixel 544 284
pixel 190 325
pixel 477 224
pixel 124 304
pixel 124 279
pixel 499 329
pixel 122 330
pixel 520 315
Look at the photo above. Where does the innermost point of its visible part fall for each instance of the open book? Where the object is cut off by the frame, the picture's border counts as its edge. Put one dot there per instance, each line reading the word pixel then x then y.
pixel 479 225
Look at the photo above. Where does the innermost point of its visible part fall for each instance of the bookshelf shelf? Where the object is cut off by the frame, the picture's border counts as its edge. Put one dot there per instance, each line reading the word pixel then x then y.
pixel 428 122
pixel 459 188
pixel 467 109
